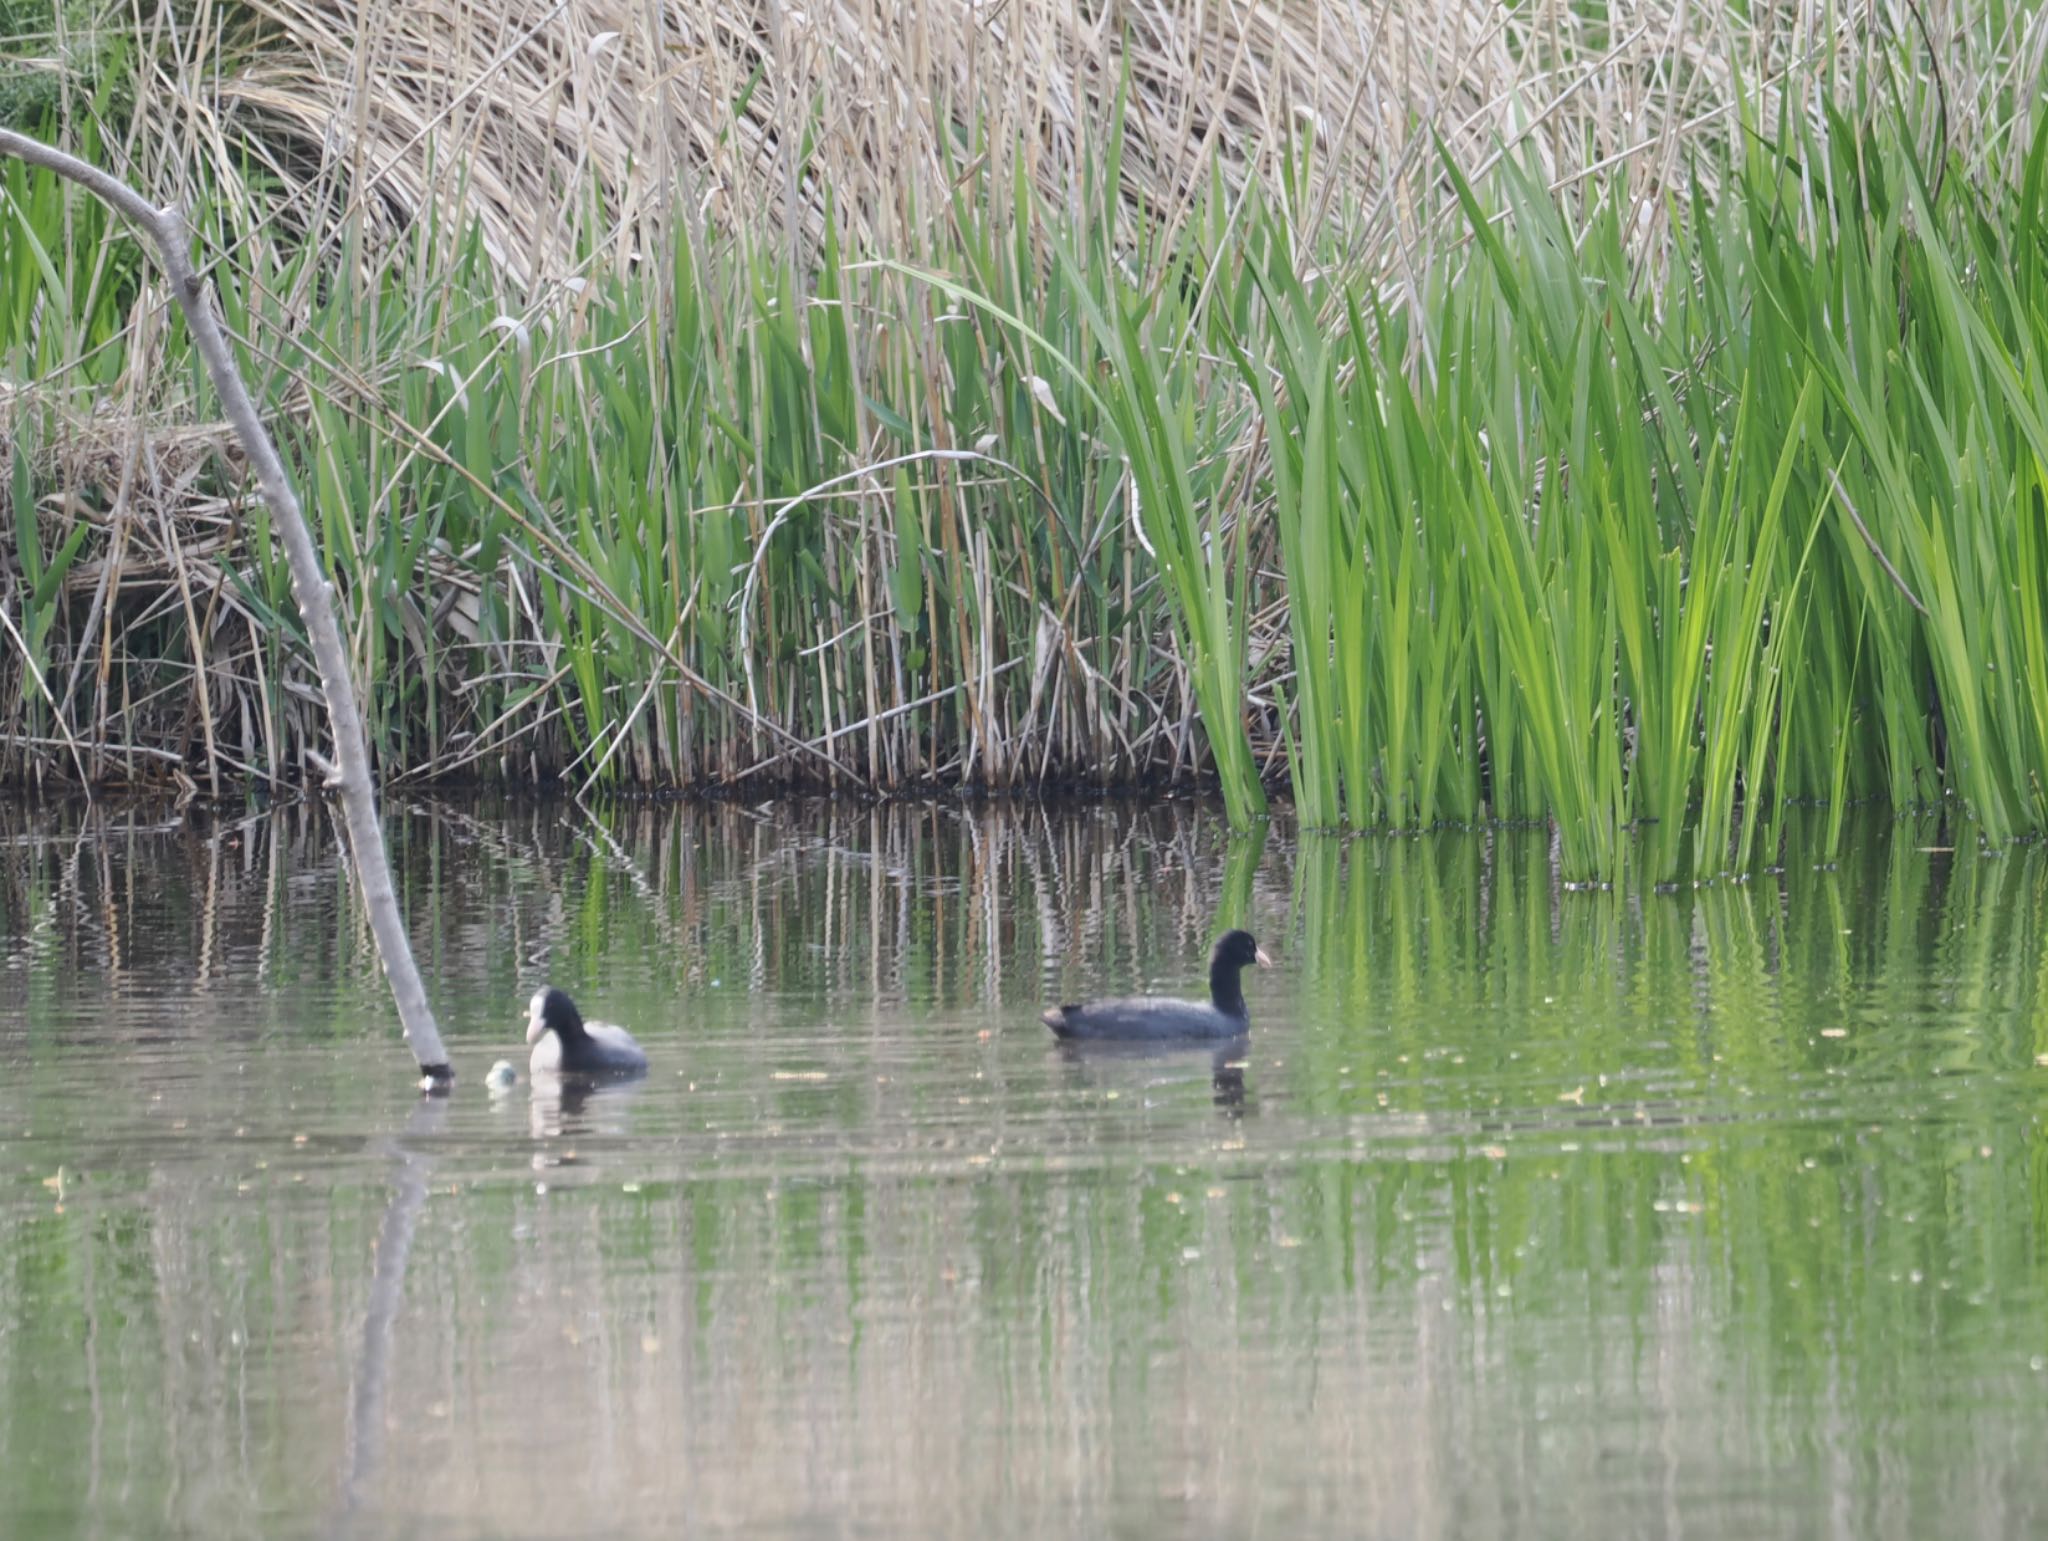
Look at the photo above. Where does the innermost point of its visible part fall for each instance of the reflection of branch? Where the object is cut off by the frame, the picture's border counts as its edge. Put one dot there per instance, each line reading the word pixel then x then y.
pixel 166 229
pixel 387 1293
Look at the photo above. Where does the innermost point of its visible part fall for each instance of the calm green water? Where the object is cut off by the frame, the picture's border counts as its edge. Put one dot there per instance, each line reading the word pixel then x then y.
pixel 1530 1213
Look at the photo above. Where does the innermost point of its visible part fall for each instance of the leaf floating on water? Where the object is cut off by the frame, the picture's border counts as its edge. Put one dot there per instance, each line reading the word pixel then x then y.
pixel 799 1075
pixel 1494 1152
pixel 1576 1096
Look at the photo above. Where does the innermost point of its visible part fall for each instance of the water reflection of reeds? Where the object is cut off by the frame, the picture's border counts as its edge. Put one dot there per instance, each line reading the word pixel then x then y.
pixel 933 898
pixel 1756 1169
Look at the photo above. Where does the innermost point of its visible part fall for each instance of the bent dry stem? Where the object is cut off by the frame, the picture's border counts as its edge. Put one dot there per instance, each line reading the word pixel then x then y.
pixel 166 229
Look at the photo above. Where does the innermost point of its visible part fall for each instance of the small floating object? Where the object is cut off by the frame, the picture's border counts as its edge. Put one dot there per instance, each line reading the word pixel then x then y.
pixel 502 1076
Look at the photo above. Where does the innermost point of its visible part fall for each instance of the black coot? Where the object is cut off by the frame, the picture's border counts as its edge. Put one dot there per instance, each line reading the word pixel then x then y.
pixel 565 1044
pixel 1223 1015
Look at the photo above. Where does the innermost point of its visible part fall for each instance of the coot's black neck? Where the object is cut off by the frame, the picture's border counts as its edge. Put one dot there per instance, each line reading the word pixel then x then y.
pixel 568 1026
pixel 1225 992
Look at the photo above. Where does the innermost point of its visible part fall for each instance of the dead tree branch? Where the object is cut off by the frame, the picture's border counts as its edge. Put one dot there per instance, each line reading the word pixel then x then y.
pixel 167 231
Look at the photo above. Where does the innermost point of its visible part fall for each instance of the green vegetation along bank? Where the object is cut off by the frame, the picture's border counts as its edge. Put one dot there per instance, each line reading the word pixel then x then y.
pixel 1544 519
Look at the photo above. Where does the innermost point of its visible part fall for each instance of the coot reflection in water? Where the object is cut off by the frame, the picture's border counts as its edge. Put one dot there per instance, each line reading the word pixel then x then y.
pixel 1087 1063
pixel 575 1105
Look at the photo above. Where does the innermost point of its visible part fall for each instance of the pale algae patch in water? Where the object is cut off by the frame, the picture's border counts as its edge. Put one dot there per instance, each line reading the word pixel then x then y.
pixel 1526 1213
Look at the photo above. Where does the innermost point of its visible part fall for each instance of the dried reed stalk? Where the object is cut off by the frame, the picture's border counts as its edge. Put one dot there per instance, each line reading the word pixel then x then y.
pixel 729 113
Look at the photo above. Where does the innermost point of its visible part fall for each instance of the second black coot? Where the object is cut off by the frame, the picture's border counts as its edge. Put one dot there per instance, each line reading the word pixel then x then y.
pixel 1223 1015
pixel 565 1044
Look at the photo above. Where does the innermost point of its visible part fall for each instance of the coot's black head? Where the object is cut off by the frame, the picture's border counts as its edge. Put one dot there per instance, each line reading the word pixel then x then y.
pixel 551 1010
pixel 1236 950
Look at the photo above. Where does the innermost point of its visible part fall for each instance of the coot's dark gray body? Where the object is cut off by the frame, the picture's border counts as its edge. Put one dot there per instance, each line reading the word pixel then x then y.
pixel 1223 1015
pixel 564 1044
pixel 1141 1018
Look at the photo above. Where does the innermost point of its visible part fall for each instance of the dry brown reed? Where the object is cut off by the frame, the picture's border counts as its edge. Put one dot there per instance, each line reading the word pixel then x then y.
pixel 753 116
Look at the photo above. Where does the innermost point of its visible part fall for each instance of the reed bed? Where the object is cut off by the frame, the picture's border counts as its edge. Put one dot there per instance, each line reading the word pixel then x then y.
pixel 1637 436
pixel 690 523
pixel 554 125
pixel 1655 562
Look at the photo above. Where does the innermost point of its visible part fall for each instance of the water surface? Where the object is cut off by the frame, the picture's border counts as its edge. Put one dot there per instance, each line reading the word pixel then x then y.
pixel 1526 1213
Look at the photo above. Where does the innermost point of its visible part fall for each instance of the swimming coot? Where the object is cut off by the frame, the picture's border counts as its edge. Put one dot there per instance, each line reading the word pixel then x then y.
pixel 1223 1015
pixel 567 1045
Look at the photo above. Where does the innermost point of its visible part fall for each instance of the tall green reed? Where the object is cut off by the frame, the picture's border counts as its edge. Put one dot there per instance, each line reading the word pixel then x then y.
pixel 1768 531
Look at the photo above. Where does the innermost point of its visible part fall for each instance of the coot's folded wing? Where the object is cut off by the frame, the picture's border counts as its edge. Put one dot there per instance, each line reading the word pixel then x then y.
pixel 1142 1018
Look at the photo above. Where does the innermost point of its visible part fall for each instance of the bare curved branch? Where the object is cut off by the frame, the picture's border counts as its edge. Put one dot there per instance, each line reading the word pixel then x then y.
pixel 166 230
